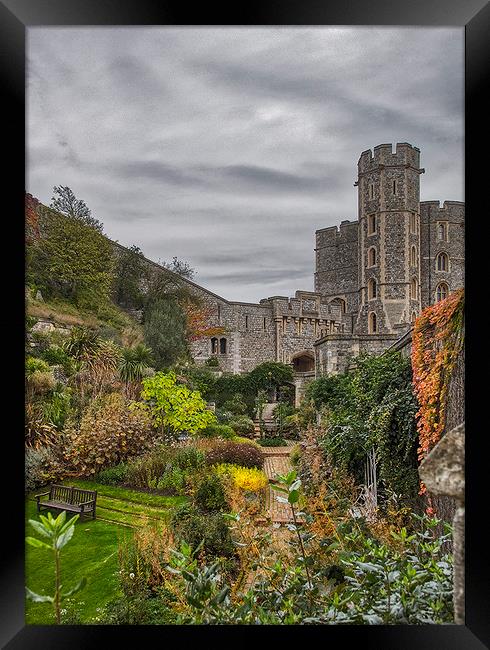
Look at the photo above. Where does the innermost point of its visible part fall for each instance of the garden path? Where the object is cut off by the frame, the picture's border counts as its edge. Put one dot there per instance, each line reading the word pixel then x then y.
pixel 277 462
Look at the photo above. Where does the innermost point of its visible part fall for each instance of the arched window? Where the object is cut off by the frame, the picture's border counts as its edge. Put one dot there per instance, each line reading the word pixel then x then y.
pixel 372 289
pixel 214 346
pixel 372 324
pixel 413 289
pixel 442 291
pixel 372 257
pixel 414 317
pixel 413 256
pixel 442 262
pixel 222 346
pixel 340 302
pixel 442 230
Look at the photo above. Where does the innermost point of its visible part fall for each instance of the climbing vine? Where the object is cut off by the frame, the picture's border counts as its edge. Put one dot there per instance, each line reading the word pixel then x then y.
pixel 438 337
pixel 372 408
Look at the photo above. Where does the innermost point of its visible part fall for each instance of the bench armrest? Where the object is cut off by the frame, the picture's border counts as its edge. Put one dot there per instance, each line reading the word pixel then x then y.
pixel 86 503
pixel 43 494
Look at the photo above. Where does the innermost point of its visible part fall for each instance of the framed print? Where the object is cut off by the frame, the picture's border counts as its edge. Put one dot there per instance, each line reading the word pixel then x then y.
pixel 223 427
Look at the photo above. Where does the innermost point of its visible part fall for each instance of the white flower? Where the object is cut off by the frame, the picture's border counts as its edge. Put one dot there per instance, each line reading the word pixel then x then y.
pixel 131 575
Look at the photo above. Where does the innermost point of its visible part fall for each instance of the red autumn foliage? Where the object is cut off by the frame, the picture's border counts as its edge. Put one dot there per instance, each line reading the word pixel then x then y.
pixel 199 320
pixel 437 340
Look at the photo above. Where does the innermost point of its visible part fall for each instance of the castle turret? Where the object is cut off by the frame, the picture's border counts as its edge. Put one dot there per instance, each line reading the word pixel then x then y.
pixel 389 238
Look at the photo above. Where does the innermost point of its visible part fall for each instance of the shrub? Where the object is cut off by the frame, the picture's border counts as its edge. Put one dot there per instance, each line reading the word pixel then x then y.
pixel 247 441
pixel 210 529
pixel 55 355
pixel 115 475
pixel 138 610
pixel 272 442
pixel 174 480
pixel 212 362
pixel 35 461
pixel 217 431
pixel 145 470
pixel 188 458
pixel 40 382
pixel 295 455
pixel 245 478
pixel 109 433
pixel 244 454
pixel 242 426
pixel 210 494
pixel 33 365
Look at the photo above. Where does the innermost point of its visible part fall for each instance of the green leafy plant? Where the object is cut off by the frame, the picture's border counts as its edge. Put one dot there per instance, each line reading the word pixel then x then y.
pixel 58 532
pixel 217 431
pixel 174 408
pixel 209 494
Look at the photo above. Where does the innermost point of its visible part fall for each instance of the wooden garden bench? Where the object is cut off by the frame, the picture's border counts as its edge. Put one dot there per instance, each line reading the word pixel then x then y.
pixel 71 499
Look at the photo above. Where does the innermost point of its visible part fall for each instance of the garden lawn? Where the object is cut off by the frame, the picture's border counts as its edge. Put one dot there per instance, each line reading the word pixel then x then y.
pixel 92 552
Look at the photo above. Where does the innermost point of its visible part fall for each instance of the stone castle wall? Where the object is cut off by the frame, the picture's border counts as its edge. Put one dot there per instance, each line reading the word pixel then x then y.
pixel 452 213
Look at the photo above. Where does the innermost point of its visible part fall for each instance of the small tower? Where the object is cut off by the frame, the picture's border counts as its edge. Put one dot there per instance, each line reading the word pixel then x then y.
pixel 389 239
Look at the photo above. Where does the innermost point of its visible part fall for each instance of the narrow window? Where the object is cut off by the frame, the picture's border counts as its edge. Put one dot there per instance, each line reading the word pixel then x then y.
pixel 394 188
pixel 265 324
pixel 219 313
pixel 222 346
pixel 413 222
pixel 214 346
pixel 442 262
pixel 413 256
pixel 246 322
pixel 442 231
pixel 371 224
pixel 371 190
pixel 372 289
pixel 414 317
pixel 372 323
pixel 372 257
pixel 413 289
pixel 442 292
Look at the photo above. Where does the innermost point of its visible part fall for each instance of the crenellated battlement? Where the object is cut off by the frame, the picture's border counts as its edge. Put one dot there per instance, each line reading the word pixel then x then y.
pixel 405 154
pixel 346 233
pixel 448 209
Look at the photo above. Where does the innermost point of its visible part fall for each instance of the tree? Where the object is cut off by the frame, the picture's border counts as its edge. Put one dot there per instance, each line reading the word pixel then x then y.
pixel 174 407
pixel 180 267
pixel 65 202
pixel 129 274
pixel 71 260
pixel 164 327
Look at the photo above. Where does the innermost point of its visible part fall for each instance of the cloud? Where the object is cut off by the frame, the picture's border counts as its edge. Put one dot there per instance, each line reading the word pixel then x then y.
pixel 229 146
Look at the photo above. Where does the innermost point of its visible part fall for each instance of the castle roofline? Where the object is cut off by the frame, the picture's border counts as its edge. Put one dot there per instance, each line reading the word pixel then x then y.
pixel 346 222
pixel 438 203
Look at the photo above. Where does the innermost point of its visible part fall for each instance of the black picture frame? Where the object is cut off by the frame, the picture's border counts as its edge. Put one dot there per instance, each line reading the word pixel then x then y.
pixel 16 16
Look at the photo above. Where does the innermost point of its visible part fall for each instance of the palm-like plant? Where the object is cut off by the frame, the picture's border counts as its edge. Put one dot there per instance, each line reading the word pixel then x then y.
pixel 133 365
pixel 83 343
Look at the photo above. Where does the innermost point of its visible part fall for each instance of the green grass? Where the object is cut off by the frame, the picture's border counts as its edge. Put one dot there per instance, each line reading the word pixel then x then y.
pixel 93 550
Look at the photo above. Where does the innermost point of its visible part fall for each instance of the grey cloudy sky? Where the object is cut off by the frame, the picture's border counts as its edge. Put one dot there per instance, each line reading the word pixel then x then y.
pixel 229 147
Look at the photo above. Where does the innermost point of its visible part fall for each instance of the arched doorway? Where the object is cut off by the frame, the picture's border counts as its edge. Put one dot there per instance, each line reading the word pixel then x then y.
pixel 304 362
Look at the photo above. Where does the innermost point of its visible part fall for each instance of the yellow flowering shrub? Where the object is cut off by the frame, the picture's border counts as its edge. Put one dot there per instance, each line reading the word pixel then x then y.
pixel 244 478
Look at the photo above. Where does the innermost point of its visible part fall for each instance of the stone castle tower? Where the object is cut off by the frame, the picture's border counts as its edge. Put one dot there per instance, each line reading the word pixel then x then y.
pixel 389 239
